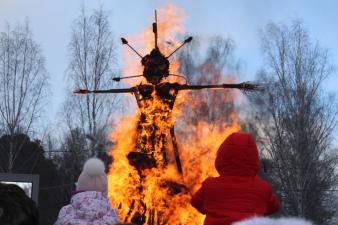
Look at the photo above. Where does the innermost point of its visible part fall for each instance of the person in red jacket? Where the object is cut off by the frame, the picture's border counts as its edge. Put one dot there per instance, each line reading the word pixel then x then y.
pixel 238 192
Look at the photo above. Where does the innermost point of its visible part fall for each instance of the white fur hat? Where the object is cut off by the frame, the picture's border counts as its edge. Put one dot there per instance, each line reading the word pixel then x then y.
pixel 93 177
pixel 272 221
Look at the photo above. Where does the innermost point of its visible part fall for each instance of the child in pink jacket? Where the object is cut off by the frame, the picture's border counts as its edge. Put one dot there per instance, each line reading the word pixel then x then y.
pixel 89 205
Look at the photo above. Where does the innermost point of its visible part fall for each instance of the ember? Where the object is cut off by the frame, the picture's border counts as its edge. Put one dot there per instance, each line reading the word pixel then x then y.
pixel 148 184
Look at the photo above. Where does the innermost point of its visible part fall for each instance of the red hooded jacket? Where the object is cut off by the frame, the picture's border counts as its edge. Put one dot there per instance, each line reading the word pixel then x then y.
pixel 238 192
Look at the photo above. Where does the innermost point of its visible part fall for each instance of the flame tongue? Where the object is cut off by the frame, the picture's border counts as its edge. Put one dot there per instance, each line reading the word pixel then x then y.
pixel 144 183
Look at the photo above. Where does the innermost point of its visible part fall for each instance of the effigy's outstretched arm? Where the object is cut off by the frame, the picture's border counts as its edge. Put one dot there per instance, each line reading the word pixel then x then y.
pixel 121 90
pixel 245 86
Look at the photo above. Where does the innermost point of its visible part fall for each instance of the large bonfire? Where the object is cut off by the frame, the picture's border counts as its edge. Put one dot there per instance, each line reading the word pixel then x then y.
pixel 160 194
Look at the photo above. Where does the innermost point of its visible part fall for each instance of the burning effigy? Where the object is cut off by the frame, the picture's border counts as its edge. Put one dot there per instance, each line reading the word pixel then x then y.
pixel 148 182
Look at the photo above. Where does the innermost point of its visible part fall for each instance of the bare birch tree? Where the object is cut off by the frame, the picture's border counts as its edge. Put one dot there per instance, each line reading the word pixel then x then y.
pixel 299 120
pixel 92 52
pixel 23 85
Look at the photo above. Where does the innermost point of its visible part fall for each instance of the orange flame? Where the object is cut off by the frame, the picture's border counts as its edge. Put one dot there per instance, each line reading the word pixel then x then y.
pixel 165 192
pixel 170 19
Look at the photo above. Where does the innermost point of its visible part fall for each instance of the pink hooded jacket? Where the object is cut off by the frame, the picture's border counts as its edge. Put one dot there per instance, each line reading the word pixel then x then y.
pixel 88 208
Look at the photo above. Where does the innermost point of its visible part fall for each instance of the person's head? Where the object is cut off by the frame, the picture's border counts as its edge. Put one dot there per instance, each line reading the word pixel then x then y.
pixel 93 177
pixel 238 156
pixel 16 208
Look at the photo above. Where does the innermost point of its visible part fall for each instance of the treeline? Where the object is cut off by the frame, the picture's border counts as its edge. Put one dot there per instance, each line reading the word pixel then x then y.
pixel 293 120
pixel 58 153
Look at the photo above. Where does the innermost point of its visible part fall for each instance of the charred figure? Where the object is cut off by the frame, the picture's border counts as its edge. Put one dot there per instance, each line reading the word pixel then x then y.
pixel 155 128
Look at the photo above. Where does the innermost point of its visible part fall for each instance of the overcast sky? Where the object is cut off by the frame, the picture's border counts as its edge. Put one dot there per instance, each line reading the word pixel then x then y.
pixel 241 20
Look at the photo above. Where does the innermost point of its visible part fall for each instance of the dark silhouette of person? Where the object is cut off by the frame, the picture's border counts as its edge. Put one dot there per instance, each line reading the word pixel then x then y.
pixel 16 208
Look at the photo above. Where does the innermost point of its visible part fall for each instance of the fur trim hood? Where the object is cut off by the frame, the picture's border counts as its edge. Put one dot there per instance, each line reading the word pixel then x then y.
pixel 273 221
